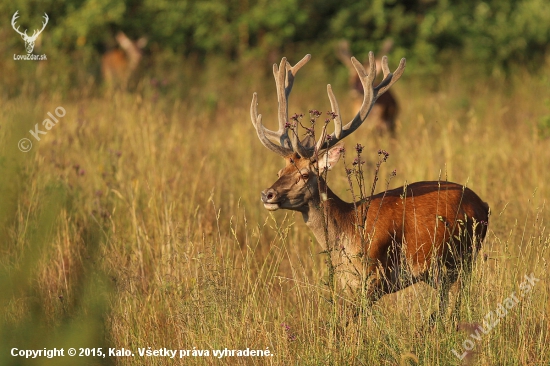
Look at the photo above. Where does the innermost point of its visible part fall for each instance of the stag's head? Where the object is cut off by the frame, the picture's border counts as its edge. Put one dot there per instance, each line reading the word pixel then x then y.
pixel 298 182
pixel 29 40
pixel 307 161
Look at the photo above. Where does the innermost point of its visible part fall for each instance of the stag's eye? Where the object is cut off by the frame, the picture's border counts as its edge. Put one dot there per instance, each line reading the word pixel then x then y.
pixel 305 176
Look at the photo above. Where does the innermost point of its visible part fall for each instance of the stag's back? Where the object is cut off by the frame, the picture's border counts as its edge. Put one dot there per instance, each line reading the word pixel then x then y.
pixel 423 219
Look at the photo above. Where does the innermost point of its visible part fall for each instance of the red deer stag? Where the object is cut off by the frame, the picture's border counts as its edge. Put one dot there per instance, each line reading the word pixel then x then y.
pixel 386 108
pixel 427 230
pixel 118 65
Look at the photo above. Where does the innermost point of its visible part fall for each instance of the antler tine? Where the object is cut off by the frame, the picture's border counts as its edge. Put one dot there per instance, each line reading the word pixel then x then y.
pixel 390 78
pixel 280 134
pixel 284 79
pixel 294 69
pixel 291 72
pixel 336 110
pixel 369 98
pixel 279 73
pixel 284 75
pixel 321 141
pixel 385 68
pixel 261 130
pixel 367 79
pixel 318 148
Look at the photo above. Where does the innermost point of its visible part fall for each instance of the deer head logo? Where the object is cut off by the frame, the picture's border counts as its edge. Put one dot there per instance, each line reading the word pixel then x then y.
pixel 29 41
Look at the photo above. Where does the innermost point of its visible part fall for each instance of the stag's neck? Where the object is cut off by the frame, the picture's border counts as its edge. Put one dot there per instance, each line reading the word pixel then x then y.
pixel 329 218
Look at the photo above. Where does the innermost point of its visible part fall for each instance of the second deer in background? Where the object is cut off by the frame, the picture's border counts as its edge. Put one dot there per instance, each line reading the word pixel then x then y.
pixel 385 110
pixel 117 66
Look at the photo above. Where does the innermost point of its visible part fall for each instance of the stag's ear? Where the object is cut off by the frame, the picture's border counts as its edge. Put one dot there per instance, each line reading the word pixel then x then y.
pixel 142 42
pixel 329 159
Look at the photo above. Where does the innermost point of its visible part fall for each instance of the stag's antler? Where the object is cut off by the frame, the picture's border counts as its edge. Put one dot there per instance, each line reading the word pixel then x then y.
pixel 284 78
pixel 369 98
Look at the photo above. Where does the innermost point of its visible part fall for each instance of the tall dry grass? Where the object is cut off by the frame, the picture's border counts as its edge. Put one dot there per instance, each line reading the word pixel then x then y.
pixel 136 222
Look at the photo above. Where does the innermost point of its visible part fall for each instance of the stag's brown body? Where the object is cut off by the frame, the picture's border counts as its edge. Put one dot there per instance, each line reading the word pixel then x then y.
pixel 118 65
pixel 425 231
pixel 409 234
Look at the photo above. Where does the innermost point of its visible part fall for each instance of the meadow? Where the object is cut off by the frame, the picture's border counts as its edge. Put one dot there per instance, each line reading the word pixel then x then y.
pixel 136 220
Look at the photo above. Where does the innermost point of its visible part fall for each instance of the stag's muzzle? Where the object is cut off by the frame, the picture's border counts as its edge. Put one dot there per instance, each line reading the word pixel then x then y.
pixel 269 198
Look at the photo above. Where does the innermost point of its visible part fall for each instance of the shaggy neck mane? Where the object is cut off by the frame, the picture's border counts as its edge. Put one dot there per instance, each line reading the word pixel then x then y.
pixel 338 215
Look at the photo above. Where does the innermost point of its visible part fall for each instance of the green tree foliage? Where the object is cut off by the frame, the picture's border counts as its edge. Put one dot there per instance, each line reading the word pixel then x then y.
pixel 491 32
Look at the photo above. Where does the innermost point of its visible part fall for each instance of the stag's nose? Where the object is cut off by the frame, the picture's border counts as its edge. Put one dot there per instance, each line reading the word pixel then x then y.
pixel 269 195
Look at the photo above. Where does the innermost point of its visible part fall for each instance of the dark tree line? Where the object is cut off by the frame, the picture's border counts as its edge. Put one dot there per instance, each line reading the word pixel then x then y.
pixel 495 32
